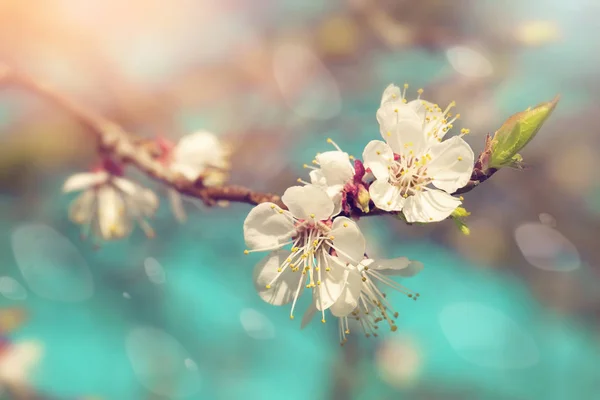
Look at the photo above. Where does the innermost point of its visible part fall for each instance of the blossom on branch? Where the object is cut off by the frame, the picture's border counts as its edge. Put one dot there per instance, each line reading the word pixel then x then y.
pixel 319 248
pixel 197 156
pixel 415 171
pixel 363 301
pixel 110 205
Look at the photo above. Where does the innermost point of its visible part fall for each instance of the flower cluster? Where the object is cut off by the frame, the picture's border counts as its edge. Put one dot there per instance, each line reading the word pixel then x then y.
pixel 315 245
pixel 110 205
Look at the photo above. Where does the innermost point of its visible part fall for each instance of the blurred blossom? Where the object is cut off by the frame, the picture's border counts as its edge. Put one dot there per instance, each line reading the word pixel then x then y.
pixel 399 361
pixel 161 363
pixel 537 33
pixel 12 289
pixel 50 263
pixel 469 62
pixel 126 295
pixel 486 337
pixel 546 248
pixel 18 360
pixel 256 325
pixel 154 270
pixel 306 84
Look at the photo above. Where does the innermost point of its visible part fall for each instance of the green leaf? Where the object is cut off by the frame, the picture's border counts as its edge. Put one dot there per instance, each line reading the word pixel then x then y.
pixel 516 133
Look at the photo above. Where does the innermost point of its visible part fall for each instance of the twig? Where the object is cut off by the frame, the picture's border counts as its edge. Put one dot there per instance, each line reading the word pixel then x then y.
pixel 123 146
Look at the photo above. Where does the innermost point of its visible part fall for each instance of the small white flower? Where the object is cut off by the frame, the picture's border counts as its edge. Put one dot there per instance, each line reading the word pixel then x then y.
pixel 334 171
pixel 109 205
pixel 319 250
pixel 414 158
pixel 363 301
pixel 197 155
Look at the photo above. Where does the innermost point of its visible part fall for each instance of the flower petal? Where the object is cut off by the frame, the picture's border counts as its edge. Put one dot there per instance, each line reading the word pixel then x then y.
pixel 378 157
pixel 348 299
pixel 391 93
pixel 336 167
pixel 266 227
pixel 112 218
pixel 430 206
pixel 200 150
pixel 332 283
pixel 400 266
pixel 308 202
pixel 317 178
pixel 348 240
pixel 82 209
pixel 451 164
pixel 405 137
pixel 283 289
pixel 386 196
pixel 84 180
pixel 393 112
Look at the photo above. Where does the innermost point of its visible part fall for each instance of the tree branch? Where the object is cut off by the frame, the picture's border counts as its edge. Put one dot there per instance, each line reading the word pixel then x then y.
pixel 123 146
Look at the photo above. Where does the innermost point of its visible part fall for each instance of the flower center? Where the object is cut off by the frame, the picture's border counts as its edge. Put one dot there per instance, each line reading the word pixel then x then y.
pixel 409 173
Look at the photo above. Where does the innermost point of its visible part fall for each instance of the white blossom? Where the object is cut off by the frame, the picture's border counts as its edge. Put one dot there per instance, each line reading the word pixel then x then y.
pixel 109 205
pixel 363 301
pixel 197 155
pixel 415 170
pixel 319 248
pixel 334 172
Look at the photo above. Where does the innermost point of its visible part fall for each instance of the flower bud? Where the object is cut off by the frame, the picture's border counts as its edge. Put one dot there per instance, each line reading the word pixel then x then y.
pixel 516 132
pixel 363 198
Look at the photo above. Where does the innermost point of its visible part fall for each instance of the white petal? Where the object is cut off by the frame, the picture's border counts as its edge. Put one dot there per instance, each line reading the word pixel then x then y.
pixel 317 178
pixel 332 283
pixel 400 266
pixel 82 209
pixel 200 150
pixel 430 206
pixel 266 227
pixel 283 290
pixel 18 362
pixel 348 300
pixel 84 181
pixel 391 93
pixel 348 240
pixel 337 200
pixel 451 164
pixel 336 167
pixel 386 196
pixel 378 157
pixel 177 205
pixel 395 111
pixel 112 217
pixel 125 185
pixel 308 202
pixel 405 137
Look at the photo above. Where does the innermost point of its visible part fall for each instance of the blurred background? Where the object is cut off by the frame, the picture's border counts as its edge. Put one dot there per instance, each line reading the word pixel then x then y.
pixel 510 312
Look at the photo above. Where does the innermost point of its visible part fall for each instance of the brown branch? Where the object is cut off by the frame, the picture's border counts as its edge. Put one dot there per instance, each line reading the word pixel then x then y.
pixel 123 146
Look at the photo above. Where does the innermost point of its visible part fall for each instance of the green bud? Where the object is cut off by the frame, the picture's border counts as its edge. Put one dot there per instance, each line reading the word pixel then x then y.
pixel 363 199
pixel 462 226
pixel 460 212
pixel 516 132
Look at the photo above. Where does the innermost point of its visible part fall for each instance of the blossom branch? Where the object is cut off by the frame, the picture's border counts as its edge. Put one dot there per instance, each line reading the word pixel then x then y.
pixel 115 142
